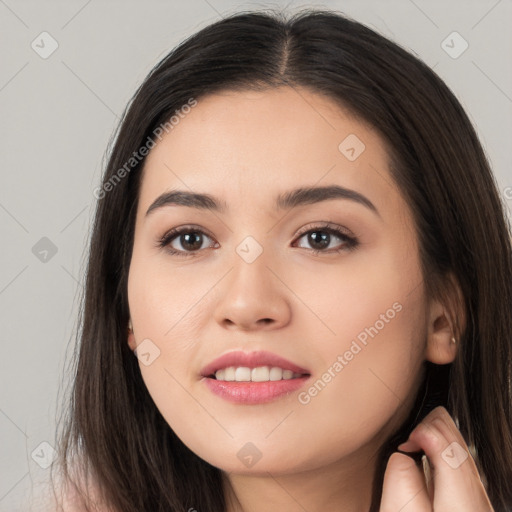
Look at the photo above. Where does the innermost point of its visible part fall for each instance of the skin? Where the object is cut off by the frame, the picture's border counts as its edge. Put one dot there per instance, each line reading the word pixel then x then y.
pixel 245 148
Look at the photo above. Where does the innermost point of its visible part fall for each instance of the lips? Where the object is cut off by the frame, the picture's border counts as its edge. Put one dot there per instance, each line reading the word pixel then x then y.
pixel 250 360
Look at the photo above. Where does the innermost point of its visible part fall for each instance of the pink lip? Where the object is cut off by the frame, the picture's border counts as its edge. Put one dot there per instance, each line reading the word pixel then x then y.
pixel 250 360
pixel 252 392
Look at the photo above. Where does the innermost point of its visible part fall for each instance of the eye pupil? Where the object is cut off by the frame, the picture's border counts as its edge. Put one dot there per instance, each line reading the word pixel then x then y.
pixel 193 238
pixel 320 241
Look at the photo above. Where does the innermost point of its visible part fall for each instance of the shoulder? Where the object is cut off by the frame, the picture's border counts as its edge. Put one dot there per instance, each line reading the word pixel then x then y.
pixel 65 498
pixel 70 499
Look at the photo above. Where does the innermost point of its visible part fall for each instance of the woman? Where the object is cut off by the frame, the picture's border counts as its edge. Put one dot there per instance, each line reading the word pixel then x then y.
pixel 299 291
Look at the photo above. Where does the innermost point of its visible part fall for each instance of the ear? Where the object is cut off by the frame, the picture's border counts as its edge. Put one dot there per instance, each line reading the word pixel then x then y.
pixel 131 337
pixel 446 320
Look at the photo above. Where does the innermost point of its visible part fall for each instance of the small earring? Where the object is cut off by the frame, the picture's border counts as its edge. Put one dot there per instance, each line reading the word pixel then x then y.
pixel 454 340
pixel 130 327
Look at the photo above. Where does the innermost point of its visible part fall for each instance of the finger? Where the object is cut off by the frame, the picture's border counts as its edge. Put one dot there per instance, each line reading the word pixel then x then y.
pixel 455 476
pixel 404 486
pixel 421 460
pixel 428 477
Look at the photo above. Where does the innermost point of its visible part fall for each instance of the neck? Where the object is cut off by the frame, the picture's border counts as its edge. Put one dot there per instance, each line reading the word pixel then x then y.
pixel 343 486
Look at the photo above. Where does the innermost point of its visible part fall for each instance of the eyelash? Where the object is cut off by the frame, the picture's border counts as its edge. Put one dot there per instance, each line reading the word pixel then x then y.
pixel 350 242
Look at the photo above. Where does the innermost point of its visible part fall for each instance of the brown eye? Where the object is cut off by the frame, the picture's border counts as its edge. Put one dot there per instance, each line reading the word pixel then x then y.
pixel 322 237
pixel 181 241
pixel 191 241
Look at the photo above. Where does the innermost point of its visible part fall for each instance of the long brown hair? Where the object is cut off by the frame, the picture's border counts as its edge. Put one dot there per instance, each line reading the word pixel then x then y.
pixel 111 427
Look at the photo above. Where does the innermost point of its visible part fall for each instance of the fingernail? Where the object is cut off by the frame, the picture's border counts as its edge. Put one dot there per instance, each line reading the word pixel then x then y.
pixel 405 446
pixel 416 456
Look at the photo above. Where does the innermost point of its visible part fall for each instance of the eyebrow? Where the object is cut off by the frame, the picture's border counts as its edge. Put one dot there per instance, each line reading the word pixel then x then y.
pixel 285 201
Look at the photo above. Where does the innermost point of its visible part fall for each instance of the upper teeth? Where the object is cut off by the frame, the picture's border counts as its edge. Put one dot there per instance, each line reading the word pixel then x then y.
pixel 259 374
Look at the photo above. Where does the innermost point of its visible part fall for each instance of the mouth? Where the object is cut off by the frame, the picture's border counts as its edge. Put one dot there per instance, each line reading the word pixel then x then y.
pixel 254 377
pixel 256 366
pixel 257 374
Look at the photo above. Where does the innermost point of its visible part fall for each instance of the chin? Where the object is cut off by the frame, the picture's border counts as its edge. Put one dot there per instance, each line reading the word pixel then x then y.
pixel 247 461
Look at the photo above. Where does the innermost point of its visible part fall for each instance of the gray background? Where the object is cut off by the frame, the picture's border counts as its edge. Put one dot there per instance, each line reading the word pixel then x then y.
pixel 57 116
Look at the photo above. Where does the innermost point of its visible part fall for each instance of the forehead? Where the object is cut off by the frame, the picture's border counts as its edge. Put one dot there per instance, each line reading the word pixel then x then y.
pixel 250 146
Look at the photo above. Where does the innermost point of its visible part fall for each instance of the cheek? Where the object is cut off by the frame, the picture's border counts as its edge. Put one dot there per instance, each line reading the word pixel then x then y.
pixel 166 327
pixel 167 303
pixel 369 296
pixel 365 388
pixel 368 345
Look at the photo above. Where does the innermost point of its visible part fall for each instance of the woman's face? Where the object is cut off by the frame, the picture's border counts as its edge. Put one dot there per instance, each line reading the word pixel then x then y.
pixel 351 317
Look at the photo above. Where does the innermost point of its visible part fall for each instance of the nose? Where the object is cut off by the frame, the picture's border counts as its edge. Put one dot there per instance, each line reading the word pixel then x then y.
pixel 253 297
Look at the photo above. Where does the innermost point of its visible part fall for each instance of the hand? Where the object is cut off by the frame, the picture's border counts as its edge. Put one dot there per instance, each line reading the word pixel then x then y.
pixel 455 484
